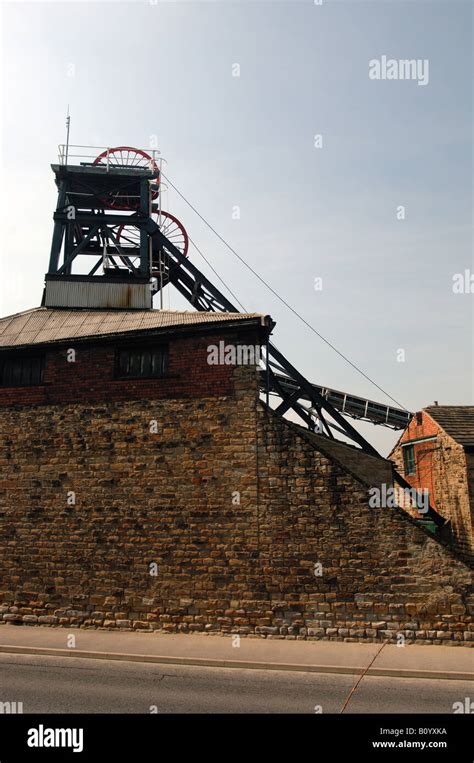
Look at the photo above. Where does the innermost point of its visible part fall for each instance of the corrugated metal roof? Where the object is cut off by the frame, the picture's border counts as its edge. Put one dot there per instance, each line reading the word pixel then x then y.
pixel 456 420
pixel 42 325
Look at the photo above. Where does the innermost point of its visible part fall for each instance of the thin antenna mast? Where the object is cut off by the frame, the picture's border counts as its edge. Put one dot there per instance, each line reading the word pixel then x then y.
pixel 68 124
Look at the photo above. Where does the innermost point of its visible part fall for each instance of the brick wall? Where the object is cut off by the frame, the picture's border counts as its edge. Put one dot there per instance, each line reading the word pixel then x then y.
pixel 441 467
pixel 425 455
pixel 91 376
pixel 229 509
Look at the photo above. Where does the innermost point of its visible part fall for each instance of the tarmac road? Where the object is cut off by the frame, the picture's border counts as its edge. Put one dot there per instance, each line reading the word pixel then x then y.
pixel 74 685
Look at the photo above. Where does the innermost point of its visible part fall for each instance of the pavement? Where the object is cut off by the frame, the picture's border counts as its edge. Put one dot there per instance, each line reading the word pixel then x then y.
pixel 409 661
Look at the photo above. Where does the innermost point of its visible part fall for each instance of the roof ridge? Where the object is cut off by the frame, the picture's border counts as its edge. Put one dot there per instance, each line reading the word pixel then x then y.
pixel 122 311
pixel 437 407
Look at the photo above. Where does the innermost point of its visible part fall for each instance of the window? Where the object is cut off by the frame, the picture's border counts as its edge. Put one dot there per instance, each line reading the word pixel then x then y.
pixel 21 370
pixel 409 459
pixel 142 362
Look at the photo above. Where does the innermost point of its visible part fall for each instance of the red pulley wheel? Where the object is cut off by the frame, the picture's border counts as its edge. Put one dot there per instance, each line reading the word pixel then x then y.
pixel 132 158
pixel 128 236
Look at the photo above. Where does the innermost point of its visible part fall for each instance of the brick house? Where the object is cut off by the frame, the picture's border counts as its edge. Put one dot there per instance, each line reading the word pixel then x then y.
pixel 142 487
pixel 436 453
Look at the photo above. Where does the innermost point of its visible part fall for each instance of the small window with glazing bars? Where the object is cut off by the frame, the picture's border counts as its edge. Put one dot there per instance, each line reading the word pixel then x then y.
pixel 21 370
pixel 409 462
pixel 142 362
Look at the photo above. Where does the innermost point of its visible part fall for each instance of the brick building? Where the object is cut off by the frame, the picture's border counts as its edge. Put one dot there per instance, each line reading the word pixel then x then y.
pixel 143 487
pixel 436 453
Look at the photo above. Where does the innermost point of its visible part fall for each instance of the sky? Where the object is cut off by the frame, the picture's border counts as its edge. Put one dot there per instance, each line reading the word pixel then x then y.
pixel 379 207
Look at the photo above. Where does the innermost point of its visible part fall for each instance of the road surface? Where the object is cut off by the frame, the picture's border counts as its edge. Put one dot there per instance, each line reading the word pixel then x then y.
pixel 73 685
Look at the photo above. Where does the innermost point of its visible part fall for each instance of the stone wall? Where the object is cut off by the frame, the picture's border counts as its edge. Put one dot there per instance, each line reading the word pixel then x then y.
pixel 185 512
pixel 381 575
pixel 96 496
pixel 469 456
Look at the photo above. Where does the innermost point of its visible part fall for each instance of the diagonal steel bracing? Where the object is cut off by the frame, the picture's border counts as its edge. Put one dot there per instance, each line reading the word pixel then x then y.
pixel 290 385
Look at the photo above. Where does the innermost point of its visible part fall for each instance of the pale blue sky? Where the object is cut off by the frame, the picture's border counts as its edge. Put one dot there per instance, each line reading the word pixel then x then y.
pixel 140 69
